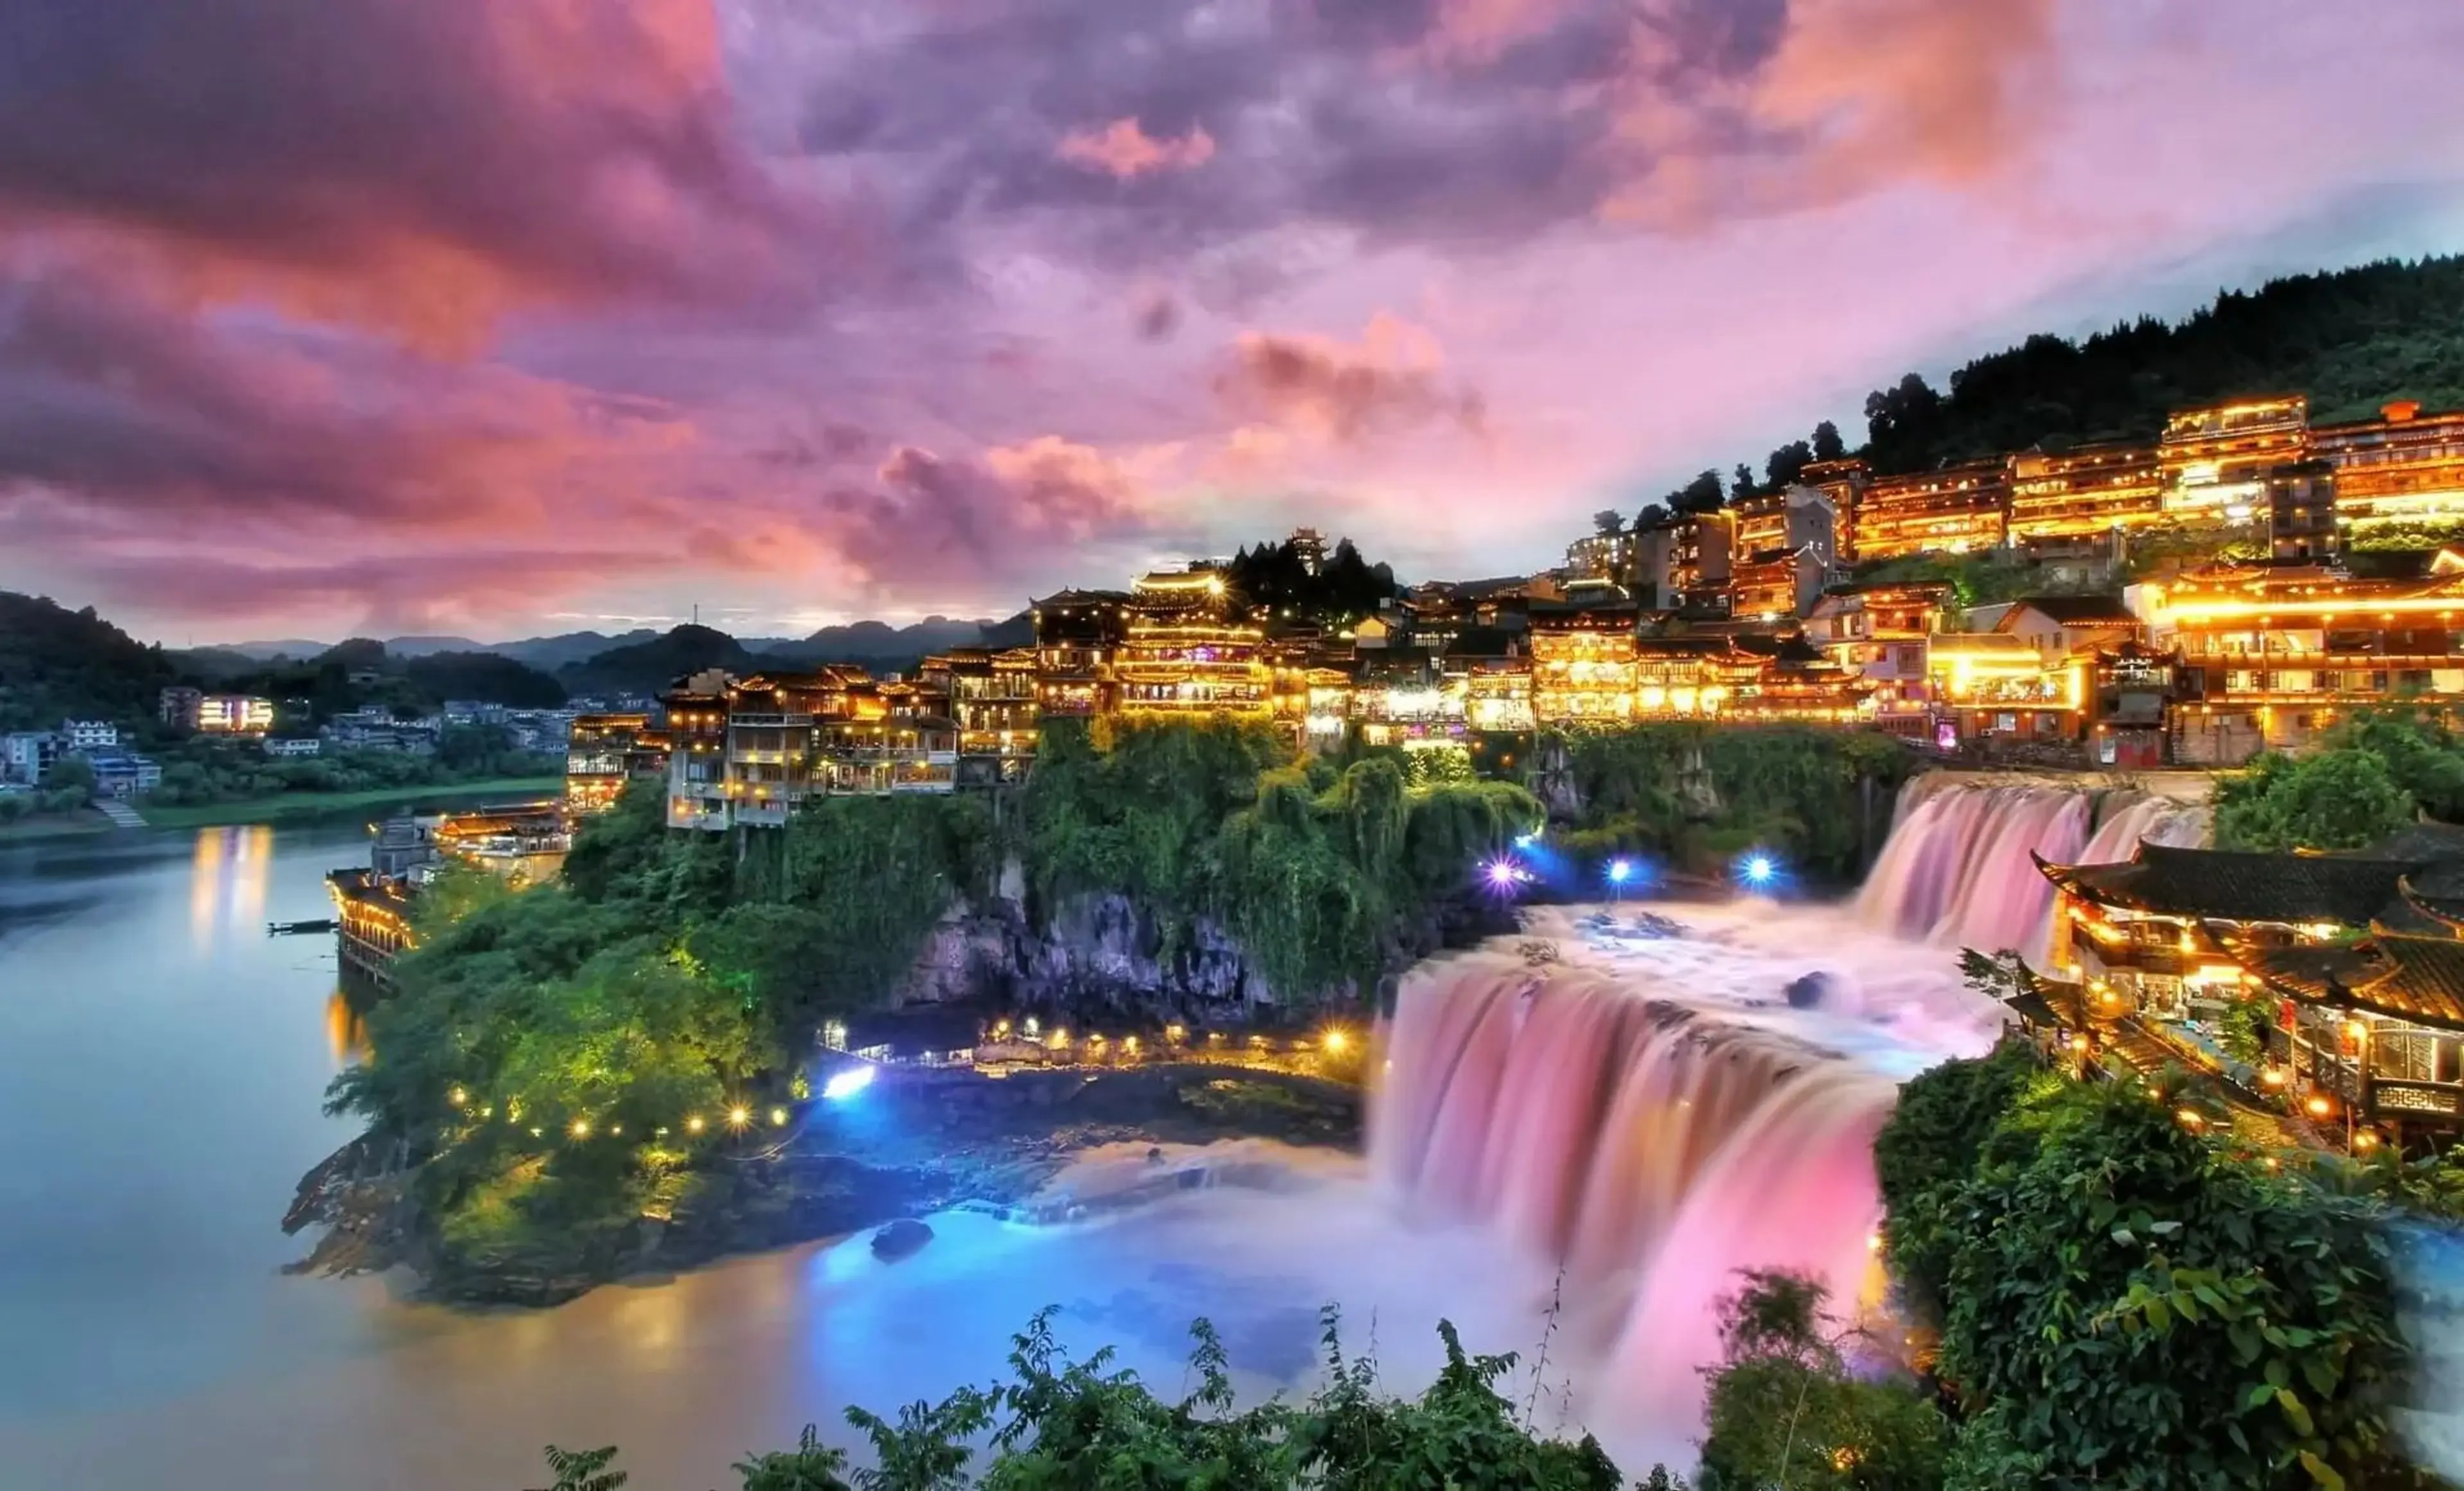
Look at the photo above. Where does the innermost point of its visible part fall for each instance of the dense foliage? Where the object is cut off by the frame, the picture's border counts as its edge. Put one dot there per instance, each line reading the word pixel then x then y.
pixel 2373 774
pixel 544 1053
pixel 57 664
pixel 1787 1410
pixel 2134 1299
pixel 1697 794
pixel 1064 1425
pixel 202 770
pixel 1325 874
pixel 2352 339
pixel 1279 583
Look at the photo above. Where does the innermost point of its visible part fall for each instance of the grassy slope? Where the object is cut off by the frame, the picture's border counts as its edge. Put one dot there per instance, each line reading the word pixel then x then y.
pixel 310 804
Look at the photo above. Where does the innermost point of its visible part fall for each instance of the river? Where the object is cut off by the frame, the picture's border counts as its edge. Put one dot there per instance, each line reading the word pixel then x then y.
pixel 162 1060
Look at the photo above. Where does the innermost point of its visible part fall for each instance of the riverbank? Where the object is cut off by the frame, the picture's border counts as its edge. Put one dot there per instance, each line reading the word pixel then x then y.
pixel 78 824
pixel 287 806
pixel 916 1142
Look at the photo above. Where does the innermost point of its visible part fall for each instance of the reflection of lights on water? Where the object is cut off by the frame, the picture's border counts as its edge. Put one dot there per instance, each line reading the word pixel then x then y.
pixel 846 1084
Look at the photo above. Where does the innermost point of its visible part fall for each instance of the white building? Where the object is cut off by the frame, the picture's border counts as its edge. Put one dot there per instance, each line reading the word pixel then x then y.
pixel 25 755
pixel 80 736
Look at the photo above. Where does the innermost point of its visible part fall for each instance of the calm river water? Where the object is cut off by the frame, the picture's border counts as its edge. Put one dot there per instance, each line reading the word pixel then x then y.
pixel 161 1065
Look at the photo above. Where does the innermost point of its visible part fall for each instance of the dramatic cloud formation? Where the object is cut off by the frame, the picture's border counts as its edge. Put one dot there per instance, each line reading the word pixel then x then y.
pixel 1391 381
pixel 317 314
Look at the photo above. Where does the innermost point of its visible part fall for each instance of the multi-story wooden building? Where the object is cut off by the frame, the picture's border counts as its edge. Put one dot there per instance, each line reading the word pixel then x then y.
pixel 2062 495
pixel 2401 468
pixel 992 698
pixel 1583 659
pixel 603 752
pixel 2217 460
pixel 1185 653
pixel 1881 633
pixel 1785 554
pixel 1078 634
pixel 2277 653
pixel 1955 510
pixel 1992 684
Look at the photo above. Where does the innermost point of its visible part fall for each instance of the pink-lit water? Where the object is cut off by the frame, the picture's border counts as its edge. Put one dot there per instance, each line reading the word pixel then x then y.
pixel 1646 1112
pixel 1956 870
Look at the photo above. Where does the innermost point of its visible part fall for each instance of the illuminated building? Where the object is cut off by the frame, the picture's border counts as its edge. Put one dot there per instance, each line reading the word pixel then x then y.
pixel 2300 507
pixel 696 715
pixel 373 911
pixel 1956 510
pixel 1409 697
pixel 525 845
pixel 2400 468
pixel 1600 556
pixel 1182 653
pixel 1806 689
pixel 2084 491
pixel 1688 677
pixel 2370 1029
pixel 1489 667
pixel 1078 633
pixel 1880 633
pixel 2278 652
pixel 2133 691
pixel 1308 546
pixel 216 714
pixel 1785 553
pixel 603 752
pixel 2215 460
pixel 2061 626
pixel 2167 930
pixel 1992 684
pixel 1842 484
pixel 1583 659
pixel 1700 555
pixel 992 698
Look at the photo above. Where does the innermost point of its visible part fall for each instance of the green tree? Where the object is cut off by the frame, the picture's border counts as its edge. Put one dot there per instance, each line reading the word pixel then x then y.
pixel 810 1466
pixel 2131 1304
pixel 1785 1411
pixel 1924 1158
pixel 1827 444
pixel 1608 522
pixel 2335 800
pixel 586 1470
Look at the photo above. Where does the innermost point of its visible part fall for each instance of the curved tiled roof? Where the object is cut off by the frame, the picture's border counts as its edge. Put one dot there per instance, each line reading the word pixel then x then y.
pixel 2231 886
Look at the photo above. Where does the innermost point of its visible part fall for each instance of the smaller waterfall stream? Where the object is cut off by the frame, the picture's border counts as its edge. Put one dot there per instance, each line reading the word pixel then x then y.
pixel 1956 869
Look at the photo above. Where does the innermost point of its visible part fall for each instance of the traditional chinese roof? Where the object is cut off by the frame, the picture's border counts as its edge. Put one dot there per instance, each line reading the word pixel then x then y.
pixel 2407 978
pixel 2075 610
pixel 2228 886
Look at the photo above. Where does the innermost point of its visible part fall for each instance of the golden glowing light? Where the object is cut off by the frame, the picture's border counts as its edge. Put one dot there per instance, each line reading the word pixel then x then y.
pixel 582 1129
pixel 2366 1141
pixel 777 1118
pixel 739 1116
pixel 2191 1119
pixel 1175 1033
pixel 694 1125
pixel 459 1097
pixel 2273 1076
pixel 1335 1042
pixel 2318 1106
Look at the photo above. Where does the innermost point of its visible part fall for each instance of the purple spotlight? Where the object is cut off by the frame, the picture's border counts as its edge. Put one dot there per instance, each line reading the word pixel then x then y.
pixel 1502 875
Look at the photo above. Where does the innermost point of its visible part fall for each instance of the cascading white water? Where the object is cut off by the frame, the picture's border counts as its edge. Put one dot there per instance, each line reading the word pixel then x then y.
pixel 1652 1114
pixel 1956 869
pixel 1653 1108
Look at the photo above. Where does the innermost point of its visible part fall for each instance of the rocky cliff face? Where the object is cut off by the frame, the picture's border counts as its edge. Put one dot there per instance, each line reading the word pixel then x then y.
pixel 1098 951
pixel 1107 951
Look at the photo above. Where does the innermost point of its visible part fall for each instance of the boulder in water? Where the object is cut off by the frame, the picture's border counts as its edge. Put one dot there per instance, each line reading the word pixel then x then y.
pixel 1808 991
pixel 902 1238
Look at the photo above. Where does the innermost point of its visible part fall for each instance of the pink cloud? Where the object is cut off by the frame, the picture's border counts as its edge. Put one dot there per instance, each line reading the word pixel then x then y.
pixel 1124 150
pixel 1392 380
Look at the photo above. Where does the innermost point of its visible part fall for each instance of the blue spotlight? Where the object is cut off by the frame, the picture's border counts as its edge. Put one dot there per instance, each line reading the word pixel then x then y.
pixel 1620 871
pixel 846 1084
pixel 1758 870
pixel 1527 840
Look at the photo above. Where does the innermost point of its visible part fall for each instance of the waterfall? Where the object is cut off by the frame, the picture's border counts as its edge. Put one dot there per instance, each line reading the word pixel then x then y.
pixel 1956 870
pixel 1652 1117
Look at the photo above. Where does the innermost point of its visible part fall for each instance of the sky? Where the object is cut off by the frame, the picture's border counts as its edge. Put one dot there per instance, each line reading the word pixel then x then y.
pixel 510 317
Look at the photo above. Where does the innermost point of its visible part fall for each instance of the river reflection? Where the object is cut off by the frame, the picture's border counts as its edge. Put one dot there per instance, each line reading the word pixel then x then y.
pixel 231 869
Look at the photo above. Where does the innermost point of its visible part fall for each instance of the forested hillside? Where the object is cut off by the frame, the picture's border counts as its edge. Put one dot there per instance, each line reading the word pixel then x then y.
pixel 2351 341
pixel 57 664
